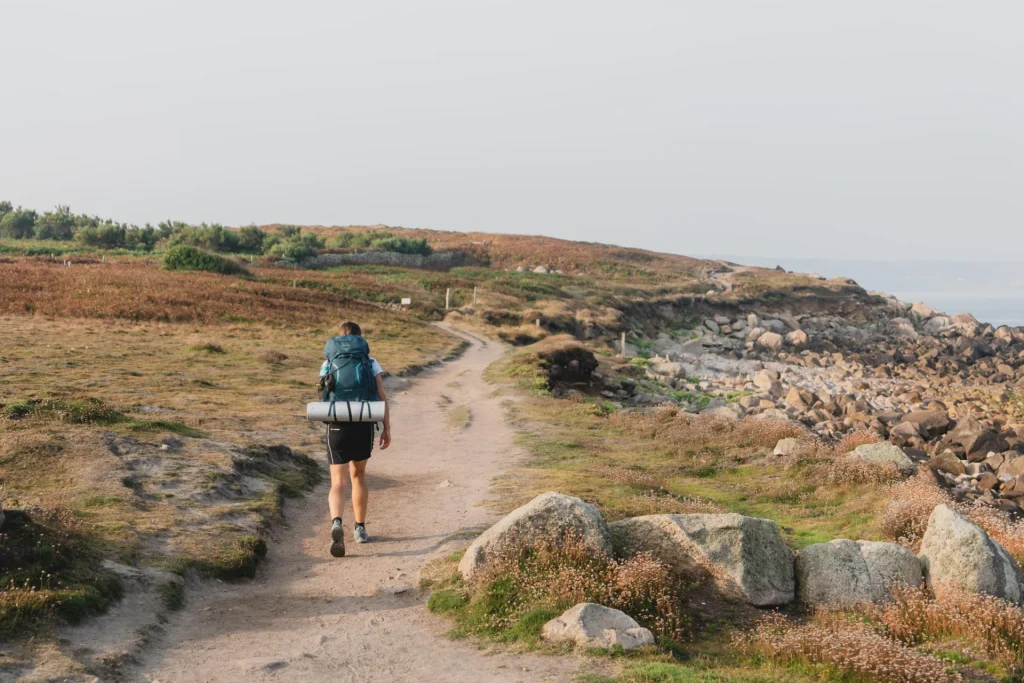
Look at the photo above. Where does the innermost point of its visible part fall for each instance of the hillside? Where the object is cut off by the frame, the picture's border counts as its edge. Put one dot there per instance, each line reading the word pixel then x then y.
pixel 151 417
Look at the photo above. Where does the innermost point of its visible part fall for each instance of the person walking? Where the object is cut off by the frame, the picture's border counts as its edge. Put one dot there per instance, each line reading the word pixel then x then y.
pixel 351 374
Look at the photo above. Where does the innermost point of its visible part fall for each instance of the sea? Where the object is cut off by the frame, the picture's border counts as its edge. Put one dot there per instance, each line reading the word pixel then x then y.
pixel 991 291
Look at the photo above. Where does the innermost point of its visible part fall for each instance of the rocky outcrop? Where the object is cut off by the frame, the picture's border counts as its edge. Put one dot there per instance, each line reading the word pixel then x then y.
pixel 956 552
pixel 592 625
pixel 548 516
pixel 843 572
pixel 746 553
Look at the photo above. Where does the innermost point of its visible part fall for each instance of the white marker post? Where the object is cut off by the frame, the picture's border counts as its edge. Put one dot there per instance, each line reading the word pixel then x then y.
pixel 623 344
pixel 447 298
pixel 474 296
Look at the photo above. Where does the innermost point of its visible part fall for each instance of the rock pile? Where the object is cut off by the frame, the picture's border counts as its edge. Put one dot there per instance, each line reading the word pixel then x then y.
pixel 748 560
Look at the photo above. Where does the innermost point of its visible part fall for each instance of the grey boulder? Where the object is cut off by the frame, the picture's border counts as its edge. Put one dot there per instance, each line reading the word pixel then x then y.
pixel 550 515
pixel 843 572
pixel 956 552
pixel 592 625
pixel 747 553
pixel 882 453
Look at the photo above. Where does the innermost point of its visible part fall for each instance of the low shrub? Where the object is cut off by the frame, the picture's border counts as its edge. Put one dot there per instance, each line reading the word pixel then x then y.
pixel 524 577
pixel 842 471
pixel 850 647
pixel 187 257
pixel 905 517
pixel 981 622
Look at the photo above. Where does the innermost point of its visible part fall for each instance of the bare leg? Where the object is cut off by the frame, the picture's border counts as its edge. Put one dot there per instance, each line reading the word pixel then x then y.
pixel 336 498
pixel 360 493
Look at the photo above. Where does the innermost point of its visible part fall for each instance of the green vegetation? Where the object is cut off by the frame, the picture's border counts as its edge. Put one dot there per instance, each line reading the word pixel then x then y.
pixel 49 573
pixel 185 257
pixel 81 411
pixel 172 593
pixel 383 240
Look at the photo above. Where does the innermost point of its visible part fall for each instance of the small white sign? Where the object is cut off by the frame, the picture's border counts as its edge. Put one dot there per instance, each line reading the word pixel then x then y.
pixel 407 302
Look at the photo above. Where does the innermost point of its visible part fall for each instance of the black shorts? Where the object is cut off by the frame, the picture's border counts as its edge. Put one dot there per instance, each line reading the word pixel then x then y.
pixel 349 441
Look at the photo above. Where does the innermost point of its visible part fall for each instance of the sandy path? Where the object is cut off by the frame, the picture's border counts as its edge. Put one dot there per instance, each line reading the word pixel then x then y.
pixel 311 617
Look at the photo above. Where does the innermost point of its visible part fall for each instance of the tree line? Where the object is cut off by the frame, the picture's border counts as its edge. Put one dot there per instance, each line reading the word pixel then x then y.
pixel 287 241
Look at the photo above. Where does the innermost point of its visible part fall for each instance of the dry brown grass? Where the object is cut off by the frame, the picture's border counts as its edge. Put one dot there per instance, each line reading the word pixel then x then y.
pixel 851 440
pixel 141 502
pixel 905 516
pixel 974 622
pixel 842 471
pixel 676 428
pixel 524 574
pixel 851 647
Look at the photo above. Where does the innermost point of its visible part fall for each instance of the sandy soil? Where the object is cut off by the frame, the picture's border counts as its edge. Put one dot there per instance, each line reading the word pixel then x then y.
pixel 311 617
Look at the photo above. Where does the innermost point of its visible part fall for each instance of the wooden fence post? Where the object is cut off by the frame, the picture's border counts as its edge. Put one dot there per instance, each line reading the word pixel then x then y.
pixel 447 298
pixel 623 343
pixel 474 296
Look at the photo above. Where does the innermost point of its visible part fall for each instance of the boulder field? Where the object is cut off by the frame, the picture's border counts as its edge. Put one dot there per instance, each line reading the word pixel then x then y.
pixel 945 389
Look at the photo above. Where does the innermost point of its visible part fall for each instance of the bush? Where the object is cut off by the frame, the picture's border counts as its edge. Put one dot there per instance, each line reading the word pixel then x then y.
pixel 185 257
pixel 525 577
pixel 18 224
pixel 847 645
pixel 298 248
pixel 383 240
pixel 56 225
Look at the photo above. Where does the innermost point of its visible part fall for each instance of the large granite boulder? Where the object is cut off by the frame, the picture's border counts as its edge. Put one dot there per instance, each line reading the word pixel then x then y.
pixel 550 515
pixel 592 625
pixel 843 572
pixel 882 453
pixel 956 552
pixel 746 552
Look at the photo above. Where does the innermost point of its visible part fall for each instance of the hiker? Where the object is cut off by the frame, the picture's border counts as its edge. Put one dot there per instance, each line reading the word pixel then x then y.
pixel 351 374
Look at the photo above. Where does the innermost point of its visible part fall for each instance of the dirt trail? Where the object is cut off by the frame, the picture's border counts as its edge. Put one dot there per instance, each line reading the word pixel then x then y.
pixel 312 618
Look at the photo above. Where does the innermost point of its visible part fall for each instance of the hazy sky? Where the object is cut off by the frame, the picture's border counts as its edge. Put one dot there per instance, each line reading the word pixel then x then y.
pixel 863 129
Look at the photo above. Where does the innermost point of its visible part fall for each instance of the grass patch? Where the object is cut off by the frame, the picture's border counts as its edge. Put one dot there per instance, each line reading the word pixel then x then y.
pixel 172 594
pixel 163 426
pixel 460 417
pixel 48 573
pixel 78 411
pixel 446 600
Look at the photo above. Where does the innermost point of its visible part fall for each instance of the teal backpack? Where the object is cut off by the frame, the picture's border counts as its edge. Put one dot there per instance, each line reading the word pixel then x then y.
pixel 350 372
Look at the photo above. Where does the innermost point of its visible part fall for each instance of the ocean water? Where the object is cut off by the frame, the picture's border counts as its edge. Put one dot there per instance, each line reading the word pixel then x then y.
pixel 993 292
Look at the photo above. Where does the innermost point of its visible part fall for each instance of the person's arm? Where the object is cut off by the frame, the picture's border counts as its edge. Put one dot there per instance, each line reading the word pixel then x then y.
pixel 385 436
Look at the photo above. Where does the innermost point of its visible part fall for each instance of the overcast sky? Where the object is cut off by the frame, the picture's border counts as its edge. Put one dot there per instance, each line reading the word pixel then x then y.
pixel 866 129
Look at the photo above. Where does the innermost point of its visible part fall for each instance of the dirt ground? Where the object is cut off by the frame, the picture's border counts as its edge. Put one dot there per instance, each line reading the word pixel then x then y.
pixel 311 617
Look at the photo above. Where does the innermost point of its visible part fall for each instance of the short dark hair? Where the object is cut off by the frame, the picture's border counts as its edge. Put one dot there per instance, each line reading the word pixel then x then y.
pixel 351 328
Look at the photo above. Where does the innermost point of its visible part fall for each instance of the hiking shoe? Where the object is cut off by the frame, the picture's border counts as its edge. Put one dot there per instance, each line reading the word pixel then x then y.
pixel 361 535
pixel 337 539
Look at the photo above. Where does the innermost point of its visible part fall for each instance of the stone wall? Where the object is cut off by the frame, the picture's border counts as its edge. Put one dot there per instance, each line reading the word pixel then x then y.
pixel 439 260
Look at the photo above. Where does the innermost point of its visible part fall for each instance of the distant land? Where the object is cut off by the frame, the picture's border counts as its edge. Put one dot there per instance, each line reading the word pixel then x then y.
pixel 992 291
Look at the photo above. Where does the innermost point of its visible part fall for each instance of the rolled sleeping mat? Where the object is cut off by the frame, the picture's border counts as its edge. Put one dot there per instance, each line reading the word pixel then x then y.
pixel 346 411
